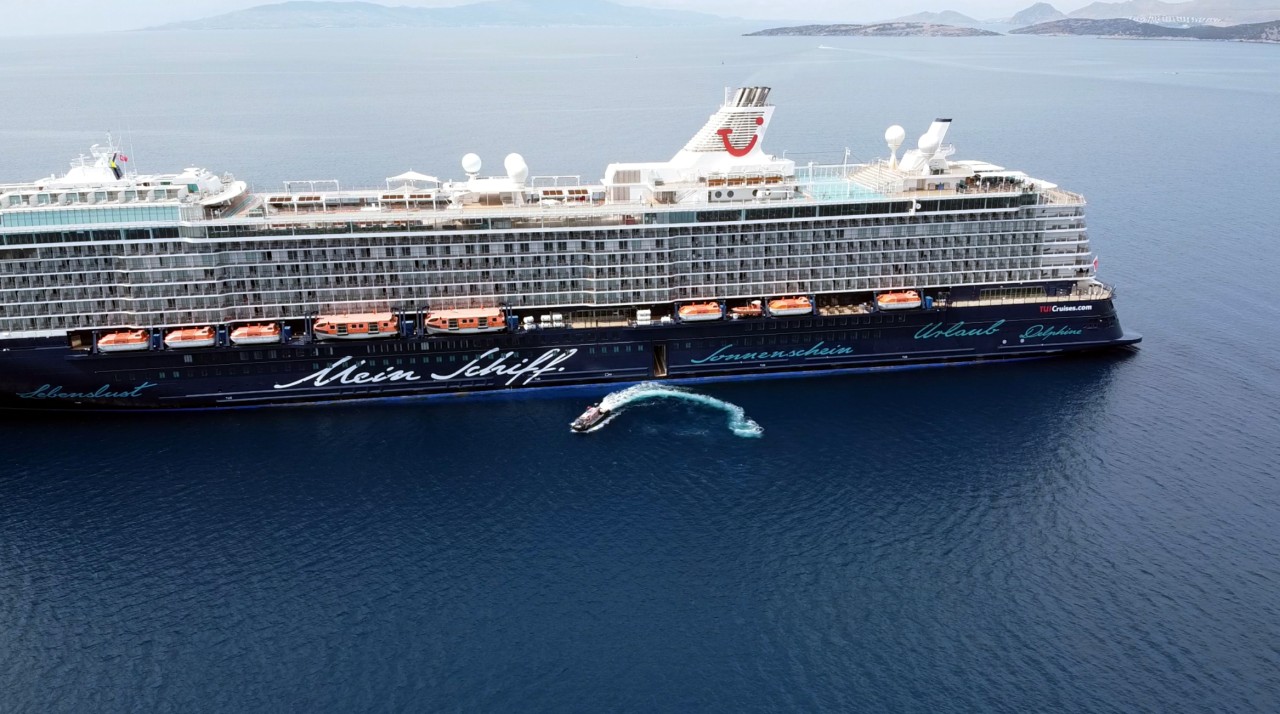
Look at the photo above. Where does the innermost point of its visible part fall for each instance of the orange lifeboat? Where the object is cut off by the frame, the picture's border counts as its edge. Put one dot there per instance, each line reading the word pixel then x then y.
pixel 256 334
pixel 124 341
pixel 700 312
pixel 188 337
pixel 464 322
pixel 786 307
pixel 356 327
pixel 751 310
pixel 905 300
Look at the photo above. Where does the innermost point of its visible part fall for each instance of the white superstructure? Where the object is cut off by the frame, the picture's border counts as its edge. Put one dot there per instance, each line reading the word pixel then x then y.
pixel 721 219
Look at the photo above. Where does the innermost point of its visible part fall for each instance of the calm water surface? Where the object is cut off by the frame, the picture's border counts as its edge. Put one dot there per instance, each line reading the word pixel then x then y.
pixel 1093 535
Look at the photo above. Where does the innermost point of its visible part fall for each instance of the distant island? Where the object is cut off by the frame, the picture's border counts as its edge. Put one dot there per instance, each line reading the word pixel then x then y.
pixel 1255 32
pixel 307 14
pixel 883 29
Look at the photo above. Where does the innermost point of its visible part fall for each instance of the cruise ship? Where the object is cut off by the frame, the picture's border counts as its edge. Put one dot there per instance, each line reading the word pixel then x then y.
pixel 121 291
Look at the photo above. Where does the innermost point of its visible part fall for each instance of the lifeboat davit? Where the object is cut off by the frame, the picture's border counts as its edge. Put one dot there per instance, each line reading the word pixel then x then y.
pixel 465 321
pixel 905 300
pixel 590 418
pixel 189 337
pixel 256 334
pixel 356 327
pixel 786 307
pixel 752 310
pixel 124 341
pixel 700 312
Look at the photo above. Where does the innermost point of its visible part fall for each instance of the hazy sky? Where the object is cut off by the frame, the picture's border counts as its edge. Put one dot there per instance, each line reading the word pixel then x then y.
pixel 43 17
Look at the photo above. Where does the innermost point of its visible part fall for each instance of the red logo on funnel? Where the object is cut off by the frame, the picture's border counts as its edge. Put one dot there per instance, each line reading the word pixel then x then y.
pixel 734 151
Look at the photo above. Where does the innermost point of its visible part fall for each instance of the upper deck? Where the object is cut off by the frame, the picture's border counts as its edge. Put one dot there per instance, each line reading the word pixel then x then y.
pixel 723 168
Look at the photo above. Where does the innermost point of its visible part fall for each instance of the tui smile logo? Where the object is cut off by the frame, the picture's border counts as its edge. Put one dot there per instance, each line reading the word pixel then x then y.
pixel 733 150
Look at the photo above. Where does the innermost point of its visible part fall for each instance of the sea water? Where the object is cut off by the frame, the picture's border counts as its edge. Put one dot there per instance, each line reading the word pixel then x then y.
pixel 1096 534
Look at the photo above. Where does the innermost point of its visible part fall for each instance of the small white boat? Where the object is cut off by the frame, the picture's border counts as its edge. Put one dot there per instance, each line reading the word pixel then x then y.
pixel 590 418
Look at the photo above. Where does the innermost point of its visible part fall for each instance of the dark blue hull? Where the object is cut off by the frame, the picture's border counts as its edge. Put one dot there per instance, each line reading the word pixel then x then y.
pixel 48 374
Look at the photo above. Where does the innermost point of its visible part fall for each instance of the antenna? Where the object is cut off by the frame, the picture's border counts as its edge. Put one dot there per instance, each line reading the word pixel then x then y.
pixel 128 132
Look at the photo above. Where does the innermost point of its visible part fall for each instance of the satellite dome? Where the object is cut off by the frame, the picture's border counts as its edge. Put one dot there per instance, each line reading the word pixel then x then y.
pixel 517 169
pixel 895 135
pixel 471 164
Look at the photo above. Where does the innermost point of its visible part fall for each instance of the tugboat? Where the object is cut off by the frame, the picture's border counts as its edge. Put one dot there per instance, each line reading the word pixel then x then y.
pixel 590 418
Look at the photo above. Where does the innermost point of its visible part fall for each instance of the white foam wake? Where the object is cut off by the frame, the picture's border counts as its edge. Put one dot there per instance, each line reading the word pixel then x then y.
pixel 619 401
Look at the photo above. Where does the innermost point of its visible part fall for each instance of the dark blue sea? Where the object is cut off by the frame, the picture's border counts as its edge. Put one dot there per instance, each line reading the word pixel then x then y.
pixel 1078 535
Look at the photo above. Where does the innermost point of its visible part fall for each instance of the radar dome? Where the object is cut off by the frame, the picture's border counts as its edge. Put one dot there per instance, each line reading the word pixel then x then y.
pixel 895 135
pixel 517 169
pixel 471 164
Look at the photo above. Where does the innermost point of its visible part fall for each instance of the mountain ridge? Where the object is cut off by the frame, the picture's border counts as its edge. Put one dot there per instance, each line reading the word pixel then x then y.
pixel 310 14
pixel 1122 27
pixel 945 17
pixel 1036 14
